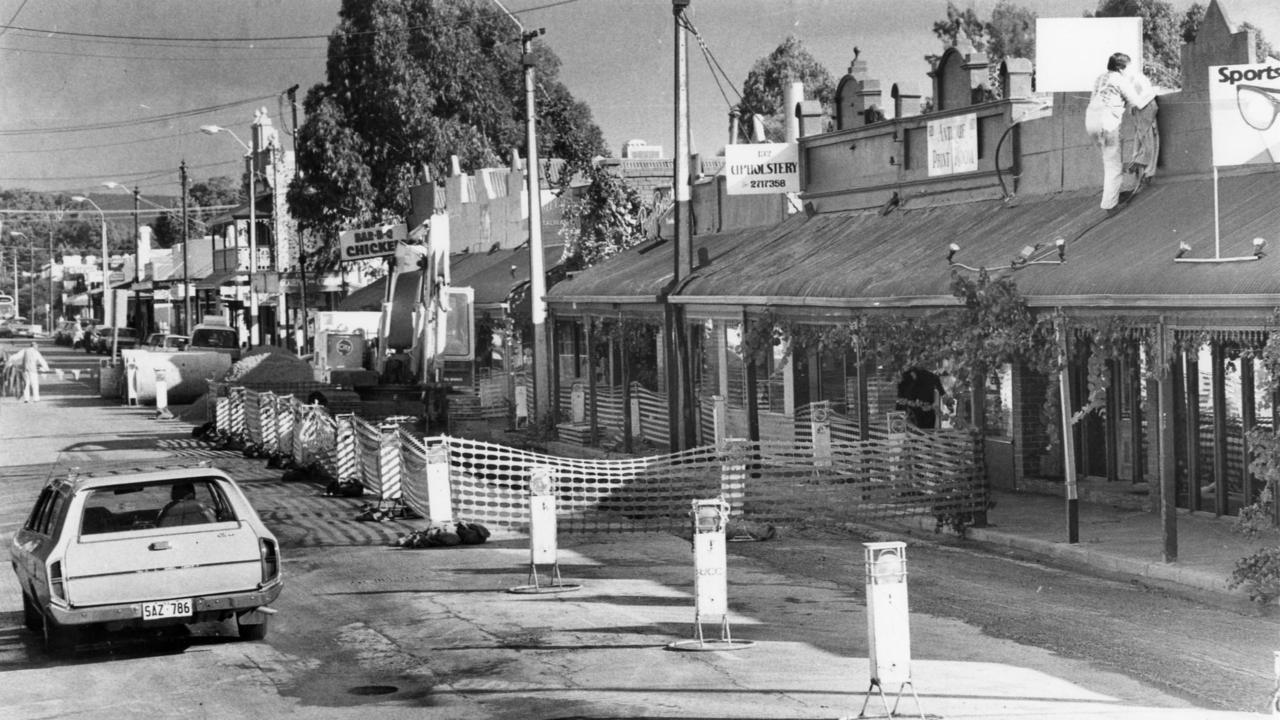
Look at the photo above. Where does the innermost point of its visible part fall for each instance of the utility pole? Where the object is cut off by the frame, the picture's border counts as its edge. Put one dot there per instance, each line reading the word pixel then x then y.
pixel 679 405
pixel 49 312
pixel 537 275
pixel 302 254
pixel 186 239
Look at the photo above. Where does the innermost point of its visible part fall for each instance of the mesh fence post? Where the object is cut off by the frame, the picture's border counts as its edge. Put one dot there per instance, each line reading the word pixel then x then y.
pixel 222 414
pixel 389 461
pixel 267 421
pixel 237 395
pixel 346 445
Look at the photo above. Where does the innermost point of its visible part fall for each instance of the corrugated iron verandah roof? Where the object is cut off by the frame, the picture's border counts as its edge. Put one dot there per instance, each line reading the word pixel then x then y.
pixel 1123 260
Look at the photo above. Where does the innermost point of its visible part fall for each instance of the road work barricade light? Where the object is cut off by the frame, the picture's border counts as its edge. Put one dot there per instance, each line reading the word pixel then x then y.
pixel 542 533
pixel 888 625
pixel 162 396
pixel 710 579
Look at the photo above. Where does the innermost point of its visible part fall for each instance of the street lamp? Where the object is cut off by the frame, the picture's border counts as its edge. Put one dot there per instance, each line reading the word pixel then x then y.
pixel 253 225
pixel 108 309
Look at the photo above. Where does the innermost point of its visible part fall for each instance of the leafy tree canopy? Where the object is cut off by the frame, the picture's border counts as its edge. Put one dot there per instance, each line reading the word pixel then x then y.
pixel 601 219
pixel 762 91
pixel 411 83
pixel 1194 16
pixel 1161 37
pixel 1009 32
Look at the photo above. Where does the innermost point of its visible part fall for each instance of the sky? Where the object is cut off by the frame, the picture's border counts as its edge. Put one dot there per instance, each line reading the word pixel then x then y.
pixel 99 91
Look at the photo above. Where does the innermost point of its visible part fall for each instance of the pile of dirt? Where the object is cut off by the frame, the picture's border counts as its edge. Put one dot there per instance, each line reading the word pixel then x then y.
pixel 269 365
pixel 197 412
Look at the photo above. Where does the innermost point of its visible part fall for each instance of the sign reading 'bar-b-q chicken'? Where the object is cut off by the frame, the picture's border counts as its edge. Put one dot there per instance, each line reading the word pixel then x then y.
pixel 372 242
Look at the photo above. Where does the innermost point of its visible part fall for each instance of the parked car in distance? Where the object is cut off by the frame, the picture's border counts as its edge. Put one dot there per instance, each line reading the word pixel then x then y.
pixel 154 340
pixel 150 550
pixel 175 342
pixel 64 332
pixel 90 339
pixel 20 327
pixel 125 338
pixel 218 338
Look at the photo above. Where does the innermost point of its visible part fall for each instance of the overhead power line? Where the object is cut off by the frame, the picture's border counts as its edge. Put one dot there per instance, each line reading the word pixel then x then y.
pixel 126 179
pixel 205 41
pixel 141 121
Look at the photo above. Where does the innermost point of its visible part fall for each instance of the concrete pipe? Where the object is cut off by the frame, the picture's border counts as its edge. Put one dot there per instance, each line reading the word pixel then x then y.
pixel 186 373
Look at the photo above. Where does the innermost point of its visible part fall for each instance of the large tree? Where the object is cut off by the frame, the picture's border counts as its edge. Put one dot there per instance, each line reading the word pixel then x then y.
pixel 409 84
pixel 600 219
pixel 1161 36
pixel 1009 32
pixel 1194 16
pixel 770 75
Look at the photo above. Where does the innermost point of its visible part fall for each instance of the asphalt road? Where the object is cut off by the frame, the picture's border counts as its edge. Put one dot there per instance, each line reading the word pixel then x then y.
pixel 365 628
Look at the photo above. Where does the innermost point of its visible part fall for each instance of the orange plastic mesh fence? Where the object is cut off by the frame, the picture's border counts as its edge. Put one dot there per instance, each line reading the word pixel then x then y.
pixel 368 456
pixel 252 418
pixel 325 450
pixel 937 472
pixel 490 484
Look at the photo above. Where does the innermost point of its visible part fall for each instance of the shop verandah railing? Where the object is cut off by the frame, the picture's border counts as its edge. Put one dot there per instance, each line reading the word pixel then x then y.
pixel 809 480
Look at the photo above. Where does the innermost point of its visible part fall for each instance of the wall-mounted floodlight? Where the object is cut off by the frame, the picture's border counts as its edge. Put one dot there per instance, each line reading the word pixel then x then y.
pixel 1021 260
pixel 1259 251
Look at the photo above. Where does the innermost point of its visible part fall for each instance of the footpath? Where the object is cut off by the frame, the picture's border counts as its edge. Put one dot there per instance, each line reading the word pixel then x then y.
pixel 1113 539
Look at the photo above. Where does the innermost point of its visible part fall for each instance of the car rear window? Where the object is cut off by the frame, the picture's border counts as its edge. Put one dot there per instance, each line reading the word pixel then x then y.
pixel 211 337
pixel 169 503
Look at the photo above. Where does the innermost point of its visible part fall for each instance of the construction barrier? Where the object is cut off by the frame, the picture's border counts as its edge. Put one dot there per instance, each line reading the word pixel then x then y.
pixel 799 481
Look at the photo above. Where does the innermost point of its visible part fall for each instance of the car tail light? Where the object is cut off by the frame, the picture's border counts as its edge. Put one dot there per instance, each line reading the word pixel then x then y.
pixel 270 559
pixel 57 586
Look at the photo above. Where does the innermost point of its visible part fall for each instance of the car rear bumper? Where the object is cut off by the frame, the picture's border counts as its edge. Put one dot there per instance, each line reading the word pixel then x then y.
pixel 205 607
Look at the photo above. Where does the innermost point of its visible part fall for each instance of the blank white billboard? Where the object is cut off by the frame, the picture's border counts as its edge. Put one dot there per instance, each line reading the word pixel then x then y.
pixel 1072 52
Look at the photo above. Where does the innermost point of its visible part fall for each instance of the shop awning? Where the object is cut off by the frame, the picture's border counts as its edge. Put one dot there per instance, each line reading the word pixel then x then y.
pixel 216 280
pixel 77 300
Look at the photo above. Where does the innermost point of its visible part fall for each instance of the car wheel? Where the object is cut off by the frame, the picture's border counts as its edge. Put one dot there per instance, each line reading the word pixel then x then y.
pixel 31 617
pixel 59 640
pixel 252 632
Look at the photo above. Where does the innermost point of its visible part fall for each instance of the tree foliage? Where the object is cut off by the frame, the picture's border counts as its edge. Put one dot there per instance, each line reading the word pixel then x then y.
pixel 410 83
pixel 1009 32
pixel 1194 17
pixel 601 219
pixel 762 92
pixel 1161 37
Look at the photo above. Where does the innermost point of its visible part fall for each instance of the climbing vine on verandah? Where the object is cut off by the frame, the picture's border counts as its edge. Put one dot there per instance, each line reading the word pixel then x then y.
pixel 991 325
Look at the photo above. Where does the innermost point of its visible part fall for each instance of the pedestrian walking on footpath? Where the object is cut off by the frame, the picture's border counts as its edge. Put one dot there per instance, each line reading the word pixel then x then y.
pixel 32 363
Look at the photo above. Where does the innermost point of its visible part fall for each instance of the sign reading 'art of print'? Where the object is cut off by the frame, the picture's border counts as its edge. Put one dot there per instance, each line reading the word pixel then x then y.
pixel 762 168
pixel 371 242
pixel 953 145
pixel 1244 101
